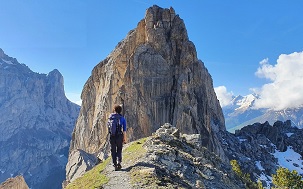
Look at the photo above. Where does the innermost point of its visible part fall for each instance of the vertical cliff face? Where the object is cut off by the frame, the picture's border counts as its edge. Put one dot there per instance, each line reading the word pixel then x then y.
pixel 36 121
pixel 156 75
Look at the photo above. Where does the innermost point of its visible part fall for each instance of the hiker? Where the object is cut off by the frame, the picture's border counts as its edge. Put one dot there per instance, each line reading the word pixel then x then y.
pixel 117 130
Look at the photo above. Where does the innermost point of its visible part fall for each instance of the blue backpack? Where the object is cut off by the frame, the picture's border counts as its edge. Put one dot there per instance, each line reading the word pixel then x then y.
pixel 114 125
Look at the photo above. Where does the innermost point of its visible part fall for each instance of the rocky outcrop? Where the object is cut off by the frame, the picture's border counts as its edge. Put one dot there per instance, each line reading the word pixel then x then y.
pixel 36 121
pixel 180 161
pixel 156 75
pixel 261 148
pixel 17 182
pixel 79 163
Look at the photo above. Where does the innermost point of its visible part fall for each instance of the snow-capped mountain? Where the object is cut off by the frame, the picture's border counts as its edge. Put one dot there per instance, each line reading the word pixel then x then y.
pixel 240 104
pixel 241 112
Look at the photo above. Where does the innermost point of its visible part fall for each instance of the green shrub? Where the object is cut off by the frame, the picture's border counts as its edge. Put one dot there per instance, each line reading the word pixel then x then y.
pixel 245 177
pixel 287 179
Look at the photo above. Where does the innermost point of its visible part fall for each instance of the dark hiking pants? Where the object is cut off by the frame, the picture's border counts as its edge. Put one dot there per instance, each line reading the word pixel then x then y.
pixel 116 143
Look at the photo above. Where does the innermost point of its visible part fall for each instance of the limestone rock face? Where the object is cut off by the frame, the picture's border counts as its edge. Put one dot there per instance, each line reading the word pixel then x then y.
pixel 156 75
pixel 17 182
pixel 36 121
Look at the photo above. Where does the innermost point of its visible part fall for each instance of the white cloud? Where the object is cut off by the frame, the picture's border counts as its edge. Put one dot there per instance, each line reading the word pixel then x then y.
pixel 74 97
pixel 223 96
pixel 285 89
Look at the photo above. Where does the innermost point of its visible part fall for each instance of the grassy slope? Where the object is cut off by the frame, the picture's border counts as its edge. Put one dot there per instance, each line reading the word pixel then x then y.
pixel 92 179
pixel 95 177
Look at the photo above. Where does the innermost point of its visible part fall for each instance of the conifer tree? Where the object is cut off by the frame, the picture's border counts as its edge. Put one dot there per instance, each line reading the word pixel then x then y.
pixel 244 177
pixel 287 179
pixel 260 185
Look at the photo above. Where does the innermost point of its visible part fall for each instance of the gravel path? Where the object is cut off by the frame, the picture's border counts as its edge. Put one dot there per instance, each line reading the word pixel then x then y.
pixel 117 179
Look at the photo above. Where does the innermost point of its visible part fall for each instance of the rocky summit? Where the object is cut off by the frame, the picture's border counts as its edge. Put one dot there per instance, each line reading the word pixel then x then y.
pixel 36 121
pixel 155 74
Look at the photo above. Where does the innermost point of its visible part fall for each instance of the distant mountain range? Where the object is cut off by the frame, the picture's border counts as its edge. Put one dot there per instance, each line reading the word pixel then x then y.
pixel 36 121
pixel 241 112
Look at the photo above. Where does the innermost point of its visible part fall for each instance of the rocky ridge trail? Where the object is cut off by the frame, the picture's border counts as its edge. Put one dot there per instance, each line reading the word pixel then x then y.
pixel 117 179
pixel 167 159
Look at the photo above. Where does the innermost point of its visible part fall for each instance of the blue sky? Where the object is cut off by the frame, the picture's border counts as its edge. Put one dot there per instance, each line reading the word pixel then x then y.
pixel 231 38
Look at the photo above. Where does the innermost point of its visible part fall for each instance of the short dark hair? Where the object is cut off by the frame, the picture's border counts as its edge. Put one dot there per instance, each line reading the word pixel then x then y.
pixel 118 109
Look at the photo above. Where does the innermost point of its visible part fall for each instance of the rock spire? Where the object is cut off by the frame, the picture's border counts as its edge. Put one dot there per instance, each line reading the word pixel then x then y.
pixel 156 75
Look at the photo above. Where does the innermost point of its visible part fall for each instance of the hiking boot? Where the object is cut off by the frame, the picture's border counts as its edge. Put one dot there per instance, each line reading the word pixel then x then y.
pixel 119 167
pixel 116 168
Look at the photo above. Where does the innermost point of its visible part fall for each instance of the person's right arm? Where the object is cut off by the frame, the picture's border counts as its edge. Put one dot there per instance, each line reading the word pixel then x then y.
pixel 124 131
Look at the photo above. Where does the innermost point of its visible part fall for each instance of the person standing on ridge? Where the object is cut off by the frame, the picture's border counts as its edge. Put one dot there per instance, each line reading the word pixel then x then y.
pixel 117 130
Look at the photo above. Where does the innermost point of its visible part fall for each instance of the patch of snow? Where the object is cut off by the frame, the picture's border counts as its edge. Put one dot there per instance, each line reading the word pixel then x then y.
pixel 267 179
pixel 294 125
pixel 290 160
pixel 258 164
pixel 263 146
pixel 241 139
pixel 223 139
pixel 289 134
pixel 7 62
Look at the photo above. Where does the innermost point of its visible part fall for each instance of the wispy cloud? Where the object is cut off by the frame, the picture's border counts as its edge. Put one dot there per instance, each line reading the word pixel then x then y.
pixel 223 96
pixel 285 89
